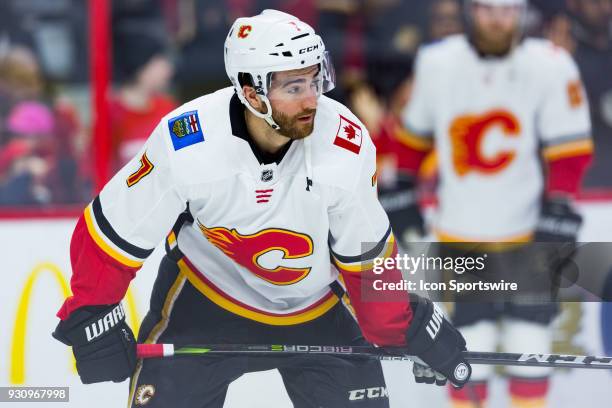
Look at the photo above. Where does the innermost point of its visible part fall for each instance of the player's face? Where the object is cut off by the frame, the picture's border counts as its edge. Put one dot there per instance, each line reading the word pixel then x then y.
pixel 495 27
pixel 293 96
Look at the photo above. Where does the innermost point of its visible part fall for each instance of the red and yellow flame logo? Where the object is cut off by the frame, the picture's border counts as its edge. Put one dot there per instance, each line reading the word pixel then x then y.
pixel 246 250
pixel 467 134
pixel 244 31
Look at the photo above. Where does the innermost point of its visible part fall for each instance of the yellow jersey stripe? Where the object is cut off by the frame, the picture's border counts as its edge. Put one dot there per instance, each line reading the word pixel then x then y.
pixel 239 310
pixel 565 150
pixel 110 251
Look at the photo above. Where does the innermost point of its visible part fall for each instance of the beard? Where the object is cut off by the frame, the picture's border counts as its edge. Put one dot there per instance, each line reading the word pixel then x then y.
pixel 291 127
pixel 496 43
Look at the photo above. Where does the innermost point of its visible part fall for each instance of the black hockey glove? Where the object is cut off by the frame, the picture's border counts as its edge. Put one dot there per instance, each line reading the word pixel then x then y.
pixel 435 341
pixel 103 344
pixel 557 232
pixel 558 222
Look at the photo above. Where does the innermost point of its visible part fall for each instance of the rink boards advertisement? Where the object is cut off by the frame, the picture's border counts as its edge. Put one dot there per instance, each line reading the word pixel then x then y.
pixel 36 274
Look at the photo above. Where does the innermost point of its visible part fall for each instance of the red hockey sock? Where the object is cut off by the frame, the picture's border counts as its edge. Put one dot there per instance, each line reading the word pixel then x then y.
pixel 473 395
pixel 528 392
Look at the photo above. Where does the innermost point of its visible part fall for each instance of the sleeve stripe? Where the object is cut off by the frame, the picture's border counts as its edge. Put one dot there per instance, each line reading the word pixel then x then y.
pixel 424 135
pixel 569 149
pixel 110 251
pixel 412 140
pixel 361 265
pixel 368 256
pixel 560 140
pixel 110 233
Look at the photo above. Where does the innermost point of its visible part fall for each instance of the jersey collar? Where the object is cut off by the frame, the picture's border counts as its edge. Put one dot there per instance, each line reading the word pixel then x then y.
pixel 239 129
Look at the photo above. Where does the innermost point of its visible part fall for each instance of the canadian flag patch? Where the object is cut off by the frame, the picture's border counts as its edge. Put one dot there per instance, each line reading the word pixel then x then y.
pixel 349 135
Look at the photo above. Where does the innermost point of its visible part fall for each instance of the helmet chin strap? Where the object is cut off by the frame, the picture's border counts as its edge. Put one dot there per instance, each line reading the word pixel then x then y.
pixel 265 116
pixel 268 115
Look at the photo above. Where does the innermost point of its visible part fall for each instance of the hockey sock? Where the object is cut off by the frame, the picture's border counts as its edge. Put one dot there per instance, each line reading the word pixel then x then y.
pixel 528 392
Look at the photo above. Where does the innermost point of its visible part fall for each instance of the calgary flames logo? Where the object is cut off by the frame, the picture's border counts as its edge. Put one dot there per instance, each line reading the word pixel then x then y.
pixel 467 135
pixel 249 250
pixel 144 393
pixel 244 31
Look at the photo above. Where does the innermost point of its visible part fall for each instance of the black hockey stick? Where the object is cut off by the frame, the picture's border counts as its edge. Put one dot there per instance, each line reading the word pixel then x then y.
pixel 397 354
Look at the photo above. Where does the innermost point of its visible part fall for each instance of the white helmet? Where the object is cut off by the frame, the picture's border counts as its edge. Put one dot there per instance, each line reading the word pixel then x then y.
pixel 270 42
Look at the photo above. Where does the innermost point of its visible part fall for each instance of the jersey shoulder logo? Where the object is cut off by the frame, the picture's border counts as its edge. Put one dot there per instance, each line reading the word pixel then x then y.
pixel 348 136
pixel 575 93
pixel 145 168
pixel 185 130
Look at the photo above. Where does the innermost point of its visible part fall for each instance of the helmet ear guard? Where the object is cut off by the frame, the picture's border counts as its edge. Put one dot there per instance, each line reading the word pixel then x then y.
pixel 259 90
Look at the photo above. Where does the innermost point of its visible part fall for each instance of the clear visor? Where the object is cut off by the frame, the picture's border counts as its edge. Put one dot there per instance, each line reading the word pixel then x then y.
pixel 302 83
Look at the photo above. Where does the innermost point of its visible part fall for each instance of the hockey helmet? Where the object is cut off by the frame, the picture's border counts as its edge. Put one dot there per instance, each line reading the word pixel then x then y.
pixel 270 42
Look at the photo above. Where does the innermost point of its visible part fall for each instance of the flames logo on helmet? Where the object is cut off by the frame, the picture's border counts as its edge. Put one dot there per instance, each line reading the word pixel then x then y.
pixel 244 31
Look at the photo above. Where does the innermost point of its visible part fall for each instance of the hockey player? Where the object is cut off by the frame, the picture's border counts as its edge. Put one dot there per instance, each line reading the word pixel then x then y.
pixel 510 123
pixel 271 180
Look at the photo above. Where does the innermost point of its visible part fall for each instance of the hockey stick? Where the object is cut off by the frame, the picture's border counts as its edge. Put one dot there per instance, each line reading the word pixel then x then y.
pixel 489 358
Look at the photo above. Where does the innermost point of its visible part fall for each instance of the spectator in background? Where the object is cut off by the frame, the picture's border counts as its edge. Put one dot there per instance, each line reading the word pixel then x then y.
pixel 20 78
pixel 444 19
pixel 357 32
pixel 201 29
pixel 27 157
pixel 38 134
pixel 585 30
pixel 142 99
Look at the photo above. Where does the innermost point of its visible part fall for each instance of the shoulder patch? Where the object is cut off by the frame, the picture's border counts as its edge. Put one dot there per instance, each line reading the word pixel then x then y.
pixel 348 135
pixel 185 130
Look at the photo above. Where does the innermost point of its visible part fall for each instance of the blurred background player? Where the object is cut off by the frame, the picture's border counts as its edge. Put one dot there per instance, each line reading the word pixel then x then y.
pixel 510 123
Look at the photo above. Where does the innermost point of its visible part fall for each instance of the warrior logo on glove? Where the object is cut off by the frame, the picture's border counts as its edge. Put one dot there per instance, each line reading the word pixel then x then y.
pixel 105 323
pixel 433 327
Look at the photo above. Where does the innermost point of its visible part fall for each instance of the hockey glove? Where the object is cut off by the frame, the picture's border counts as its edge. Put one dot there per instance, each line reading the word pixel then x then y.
pixel 435 341
pixel 557 232
pixel 558 222
pixel 103 344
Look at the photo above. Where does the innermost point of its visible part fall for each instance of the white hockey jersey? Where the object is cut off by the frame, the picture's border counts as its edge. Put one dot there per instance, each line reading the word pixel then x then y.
pixel 262 235
pixel 491 118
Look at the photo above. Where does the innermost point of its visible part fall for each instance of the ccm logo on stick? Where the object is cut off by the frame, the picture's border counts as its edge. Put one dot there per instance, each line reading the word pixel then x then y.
pixel 369 393
pixel 105 323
